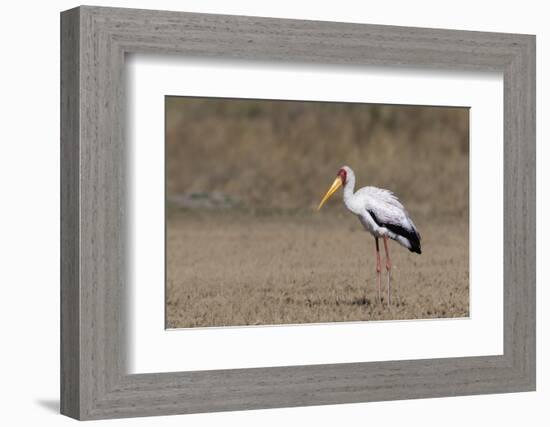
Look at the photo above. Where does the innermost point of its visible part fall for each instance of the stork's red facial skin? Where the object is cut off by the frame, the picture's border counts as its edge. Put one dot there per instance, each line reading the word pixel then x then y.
pixel 343 175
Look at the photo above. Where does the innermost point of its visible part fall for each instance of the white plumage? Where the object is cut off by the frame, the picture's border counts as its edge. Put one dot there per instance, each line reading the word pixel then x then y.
pixel 381 214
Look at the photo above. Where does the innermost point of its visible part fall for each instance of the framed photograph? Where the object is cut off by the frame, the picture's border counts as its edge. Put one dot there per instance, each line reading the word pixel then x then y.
pixel 261 213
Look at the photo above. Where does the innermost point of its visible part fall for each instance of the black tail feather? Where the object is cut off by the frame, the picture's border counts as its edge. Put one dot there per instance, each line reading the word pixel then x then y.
pixel 411 234
pixel 415 246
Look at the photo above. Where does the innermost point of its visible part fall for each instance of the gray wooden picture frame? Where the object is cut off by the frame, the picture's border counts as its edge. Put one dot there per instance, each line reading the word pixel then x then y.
pixel 94 41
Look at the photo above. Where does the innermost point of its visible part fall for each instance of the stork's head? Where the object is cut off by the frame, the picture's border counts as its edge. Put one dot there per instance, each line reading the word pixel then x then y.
pixel 341 179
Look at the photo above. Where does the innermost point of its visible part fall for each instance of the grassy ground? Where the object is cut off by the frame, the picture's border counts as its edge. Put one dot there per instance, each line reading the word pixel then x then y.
pixel 233 268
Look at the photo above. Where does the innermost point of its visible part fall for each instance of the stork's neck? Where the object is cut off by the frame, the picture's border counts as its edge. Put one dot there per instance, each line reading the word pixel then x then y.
pixel 349 186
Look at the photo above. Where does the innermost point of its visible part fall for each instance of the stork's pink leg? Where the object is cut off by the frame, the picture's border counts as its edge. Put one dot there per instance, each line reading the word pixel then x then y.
pixel 388 267
pixel 378 271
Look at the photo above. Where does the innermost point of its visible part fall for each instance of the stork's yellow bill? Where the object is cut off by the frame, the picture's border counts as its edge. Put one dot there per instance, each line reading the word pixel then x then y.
pixel 335 186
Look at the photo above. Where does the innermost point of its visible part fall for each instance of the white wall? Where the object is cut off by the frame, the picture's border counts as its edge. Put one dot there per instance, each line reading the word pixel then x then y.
pixel 29 225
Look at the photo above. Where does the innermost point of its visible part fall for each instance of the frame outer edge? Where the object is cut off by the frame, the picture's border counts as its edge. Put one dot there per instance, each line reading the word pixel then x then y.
pixel 520 215
pixel 527 78
pixel 532 138
pixel 70 396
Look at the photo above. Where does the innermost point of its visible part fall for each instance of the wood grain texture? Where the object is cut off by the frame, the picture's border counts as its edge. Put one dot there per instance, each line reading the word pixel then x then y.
pixel 94 271
pixel 70 221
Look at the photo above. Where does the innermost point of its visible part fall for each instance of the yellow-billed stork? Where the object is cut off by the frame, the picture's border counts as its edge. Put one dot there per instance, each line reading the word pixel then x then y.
pixel 381 214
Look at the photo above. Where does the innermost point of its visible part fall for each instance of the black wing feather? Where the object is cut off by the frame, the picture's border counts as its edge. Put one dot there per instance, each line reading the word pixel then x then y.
pixel 411 235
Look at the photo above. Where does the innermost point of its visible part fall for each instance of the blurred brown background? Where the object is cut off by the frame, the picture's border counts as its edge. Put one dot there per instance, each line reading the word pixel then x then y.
pixel 245 245
pixel 284 154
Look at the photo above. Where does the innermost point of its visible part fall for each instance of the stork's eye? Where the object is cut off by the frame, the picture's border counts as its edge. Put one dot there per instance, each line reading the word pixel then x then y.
pixel 343 175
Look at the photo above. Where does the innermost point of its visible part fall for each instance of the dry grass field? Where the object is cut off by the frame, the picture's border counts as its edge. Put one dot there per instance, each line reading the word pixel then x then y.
pixel 239 269
pixel 244 244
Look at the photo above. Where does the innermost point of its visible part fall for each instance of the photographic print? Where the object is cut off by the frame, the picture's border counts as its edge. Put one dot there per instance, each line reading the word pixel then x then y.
pixel 294 212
